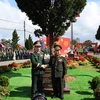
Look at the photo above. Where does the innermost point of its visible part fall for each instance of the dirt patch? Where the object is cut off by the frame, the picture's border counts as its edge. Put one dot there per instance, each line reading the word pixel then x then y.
pixel 69 78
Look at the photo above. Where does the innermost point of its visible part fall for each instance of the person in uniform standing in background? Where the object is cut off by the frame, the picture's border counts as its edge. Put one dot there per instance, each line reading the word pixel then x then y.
pixel 58 70
pixel 37 68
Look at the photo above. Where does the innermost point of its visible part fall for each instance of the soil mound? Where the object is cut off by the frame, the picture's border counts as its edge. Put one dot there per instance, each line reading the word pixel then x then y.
pixel 69 78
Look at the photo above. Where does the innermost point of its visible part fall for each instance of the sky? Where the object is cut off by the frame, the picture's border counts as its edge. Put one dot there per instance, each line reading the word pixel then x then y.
pixel 84 28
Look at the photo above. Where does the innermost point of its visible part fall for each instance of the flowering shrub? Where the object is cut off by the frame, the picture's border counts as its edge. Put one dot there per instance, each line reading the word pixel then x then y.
pixel 82 58
pixel 89 57
pixel 94 60
pixel 76 61
pixel 72 64
pixel 76 58
pixel 85 62
pixel 98 61
pixel 26 64
pixel 13 66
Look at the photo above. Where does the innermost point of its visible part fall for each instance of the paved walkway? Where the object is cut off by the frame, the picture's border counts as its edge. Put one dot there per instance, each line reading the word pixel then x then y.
pixel 96 55
pixel 3 63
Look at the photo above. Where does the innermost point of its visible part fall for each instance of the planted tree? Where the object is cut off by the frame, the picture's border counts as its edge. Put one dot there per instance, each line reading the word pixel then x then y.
pixel 15 39
pixel 97 36
pixel 53 16
pixel 29 43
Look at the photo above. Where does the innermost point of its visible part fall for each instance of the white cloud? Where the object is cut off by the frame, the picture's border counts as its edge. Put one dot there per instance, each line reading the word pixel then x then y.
pixel 88 23
pixel 13 14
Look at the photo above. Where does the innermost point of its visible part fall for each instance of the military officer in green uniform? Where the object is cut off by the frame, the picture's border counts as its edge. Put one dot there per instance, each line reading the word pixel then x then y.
pixel 58 70
pixel 37 68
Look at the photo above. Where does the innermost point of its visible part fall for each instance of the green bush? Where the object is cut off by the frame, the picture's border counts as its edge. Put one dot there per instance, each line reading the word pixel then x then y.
pixel 95 85
pixel 4 92
pixel 97 92
pixel 95 82
pixel 1 88
pixel 1 92
pixel 5 69
pixel 4 81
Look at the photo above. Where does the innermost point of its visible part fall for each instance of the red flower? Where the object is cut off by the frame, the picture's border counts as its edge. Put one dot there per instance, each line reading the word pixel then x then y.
pixel 81 58
pixel 10 65
pixel 14 64
pixel 26 63
pixel 97 61
pixel 76 59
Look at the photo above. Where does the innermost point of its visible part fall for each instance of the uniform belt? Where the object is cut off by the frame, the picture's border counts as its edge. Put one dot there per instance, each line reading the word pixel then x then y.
pixel 38 68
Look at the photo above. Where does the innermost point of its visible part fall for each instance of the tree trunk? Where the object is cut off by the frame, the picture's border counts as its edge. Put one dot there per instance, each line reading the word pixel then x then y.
pixel 51 43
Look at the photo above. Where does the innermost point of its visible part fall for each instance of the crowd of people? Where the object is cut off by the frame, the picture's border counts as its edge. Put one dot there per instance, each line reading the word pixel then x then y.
pixel 10 54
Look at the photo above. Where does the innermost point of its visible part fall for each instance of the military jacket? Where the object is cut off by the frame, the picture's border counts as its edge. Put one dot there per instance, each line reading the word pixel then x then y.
pixel 37 61
pixel 58 66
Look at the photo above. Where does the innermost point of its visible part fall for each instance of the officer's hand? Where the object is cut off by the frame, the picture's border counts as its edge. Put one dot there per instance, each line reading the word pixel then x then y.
pixel 44 66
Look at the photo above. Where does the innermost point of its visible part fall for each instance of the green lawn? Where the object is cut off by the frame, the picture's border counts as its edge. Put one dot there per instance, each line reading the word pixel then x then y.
pixel 20 84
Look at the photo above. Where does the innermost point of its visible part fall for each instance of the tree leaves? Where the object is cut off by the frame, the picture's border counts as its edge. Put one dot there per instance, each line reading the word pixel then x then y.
pixel 52 19
pixel 97 36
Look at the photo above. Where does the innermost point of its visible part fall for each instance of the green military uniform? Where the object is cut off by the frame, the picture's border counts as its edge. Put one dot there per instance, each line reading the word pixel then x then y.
pixel 58 70
pixel 8 55
pixel 37 72
pixel 0 55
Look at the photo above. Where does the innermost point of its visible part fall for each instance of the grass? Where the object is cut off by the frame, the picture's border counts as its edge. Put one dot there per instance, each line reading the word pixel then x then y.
pixel 20 84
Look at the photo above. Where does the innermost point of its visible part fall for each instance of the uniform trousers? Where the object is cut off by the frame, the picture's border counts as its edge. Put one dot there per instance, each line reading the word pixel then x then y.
pixel 58 86
pixel 37 86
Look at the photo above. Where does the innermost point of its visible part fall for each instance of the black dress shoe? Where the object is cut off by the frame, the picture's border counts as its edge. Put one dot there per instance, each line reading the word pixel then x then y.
pixel 61 98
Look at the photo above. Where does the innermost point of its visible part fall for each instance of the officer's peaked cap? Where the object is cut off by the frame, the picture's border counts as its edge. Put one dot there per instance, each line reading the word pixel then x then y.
pixel 57 47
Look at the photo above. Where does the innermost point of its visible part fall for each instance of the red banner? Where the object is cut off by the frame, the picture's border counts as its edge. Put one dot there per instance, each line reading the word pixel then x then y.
pixel 63 41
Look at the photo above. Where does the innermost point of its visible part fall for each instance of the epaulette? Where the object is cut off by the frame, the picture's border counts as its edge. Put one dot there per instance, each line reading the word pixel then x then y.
pixel 41 52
